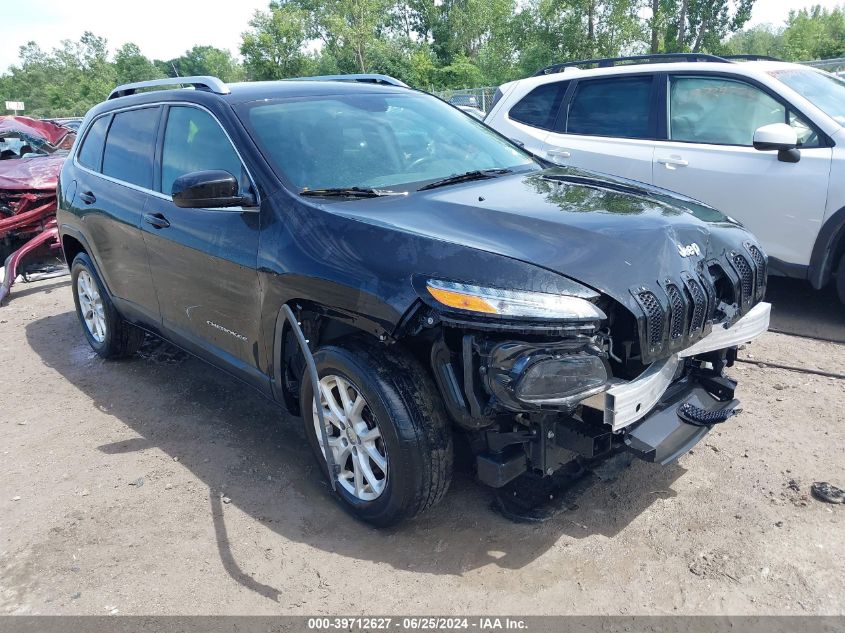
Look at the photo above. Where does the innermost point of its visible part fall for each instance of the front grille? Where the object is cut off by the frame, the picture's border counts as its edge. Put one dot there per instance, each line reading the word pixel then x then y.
pixel 746 277
pixel 760 264
pixel 654 318
pixel 675 313
pixel 678 308
pixel 699 310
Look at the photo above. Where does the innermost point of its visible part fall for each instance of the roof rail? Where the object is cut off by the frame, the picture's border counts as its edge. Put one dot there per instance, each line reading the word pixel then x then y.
pixel 209 84
pixel 367 78
pixel 657 58
pixel 751 58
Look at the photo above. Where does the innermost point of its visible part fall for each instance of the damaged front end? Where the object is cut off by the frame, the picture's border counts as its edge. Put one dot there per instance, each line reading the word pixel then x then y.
pixel 558 380
pixel 31 156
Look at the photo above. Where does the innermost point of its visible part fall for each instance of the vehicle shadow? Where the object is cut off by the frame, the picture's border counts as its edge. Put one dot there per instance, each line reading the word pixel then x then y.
pixel 233 439
pixel 800 310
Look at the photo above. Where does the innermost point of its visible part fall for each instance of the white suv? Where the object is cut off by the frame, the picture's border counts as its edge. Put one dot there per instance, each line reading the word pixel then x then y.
pixel 759 139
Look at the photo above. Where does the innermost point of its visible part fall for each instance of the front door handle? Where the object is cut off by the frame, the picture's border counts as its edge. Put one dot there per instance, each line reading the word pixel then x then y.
pixel 157 220
pixel 673 161
pixel 559 153
pixel 88 197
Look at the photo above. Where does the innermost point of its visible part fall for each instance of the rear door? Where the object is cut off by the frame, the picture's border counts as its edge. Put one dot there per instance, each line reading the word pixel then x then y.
pixel 608 125
pixel 204 260
pixel 114 178
pixel 709 156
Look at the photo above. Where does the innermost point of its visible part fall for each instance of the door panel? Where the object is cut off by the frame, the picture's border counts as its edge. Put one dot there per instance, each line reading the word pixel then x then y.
pixel 629 158
pixel 781 203
pixel 204 267
pixel 204 261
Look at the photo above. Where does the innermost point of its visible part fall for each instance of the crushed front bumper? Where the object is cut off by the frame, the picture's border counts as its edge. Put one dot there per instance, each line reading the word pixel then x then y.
pixel 627 402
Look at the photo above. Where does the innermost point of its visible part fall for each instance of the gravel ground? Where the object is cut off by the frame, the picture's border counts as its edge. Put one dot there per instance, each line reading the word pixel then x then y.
pixel 160 486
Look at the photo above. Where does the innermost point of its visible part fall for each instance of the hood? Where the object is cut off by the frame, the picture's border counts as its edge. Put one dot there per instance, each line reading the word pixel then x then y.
pixel 34 131
pixel 609 233
pixel 40 173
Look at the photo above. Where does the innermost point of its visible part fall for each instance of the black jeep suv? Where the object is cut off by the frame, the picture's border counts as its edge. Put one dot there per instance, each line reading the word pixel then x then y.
pixel 446 281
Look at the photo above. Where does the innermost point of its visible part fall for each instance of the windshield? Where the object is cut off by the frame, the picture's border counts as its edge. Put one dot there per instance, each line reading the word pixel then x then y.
pixel 375 141
pixel 825 91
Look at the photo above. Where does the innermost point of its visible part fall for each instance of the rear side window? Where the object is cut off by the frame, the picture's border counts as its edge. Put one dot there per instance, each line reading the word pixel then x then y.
pixel 194 141
pixel 617 107
pixel 91 152
pixel 539 107
pixel 130 146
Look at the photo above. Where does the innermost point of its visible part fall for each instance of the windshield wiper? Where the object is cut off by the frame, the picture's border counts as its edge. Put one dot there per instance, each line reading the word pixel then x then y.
pixel 476 174
pixel 349 192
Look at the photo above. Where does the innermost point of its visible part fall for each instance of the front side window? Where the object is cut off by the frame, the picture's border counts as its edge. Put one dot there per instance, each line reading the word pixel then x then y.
pixel 92 148
pixel 617 107
pixel 194 141
pixel 540 106
pixel 719 111
pixel 374 140
pixel 130 145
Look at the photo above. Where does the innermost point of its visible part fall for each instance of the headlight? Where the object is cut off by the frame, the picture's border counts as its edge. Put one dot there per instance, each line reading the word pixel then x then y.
pixel 514 303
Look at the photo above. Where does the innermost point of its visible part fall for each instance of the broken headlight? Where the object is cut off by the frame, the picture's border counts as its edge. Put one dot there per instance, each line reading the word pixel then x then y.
pixel 514 303
pixel 557 375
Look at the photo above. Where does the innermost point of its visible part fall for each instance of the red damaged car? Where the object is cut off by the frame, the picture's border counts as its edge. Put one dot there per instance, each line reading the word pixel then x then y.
pixel 31 157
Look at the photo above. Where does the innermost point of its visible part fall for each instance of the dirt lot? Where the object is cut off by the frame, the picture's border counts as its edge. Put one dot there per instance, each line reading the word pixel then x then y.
pixel 160 486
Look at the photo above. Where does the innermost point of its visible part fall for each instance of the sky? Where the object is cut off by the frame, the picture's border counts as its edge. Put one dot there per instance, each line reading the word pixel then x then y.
pixel 165 29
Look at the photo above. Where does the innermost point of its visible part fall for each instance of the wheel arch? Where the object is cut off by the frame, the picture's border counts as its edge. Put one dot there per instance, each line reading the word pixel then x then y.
pixel 828 249
pixel 320 324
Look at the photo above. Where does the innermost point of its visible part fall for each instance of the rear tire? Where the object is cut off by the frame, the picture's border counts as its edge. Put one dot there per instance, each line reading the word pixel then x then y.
pixel 400 425
pixel 107 333
pixel 840 279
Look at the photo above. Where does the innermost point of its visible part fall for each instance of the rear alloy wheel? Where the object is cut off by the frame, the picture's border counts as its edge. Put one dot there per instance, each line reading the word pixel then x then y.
pixel 106 331
pixel 385 426
pixel 91 306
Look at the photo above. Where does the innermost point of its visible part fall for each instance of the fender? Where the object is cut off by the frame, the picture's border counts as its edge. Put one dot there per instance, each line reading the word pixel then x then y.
pixel 379 329
pixel 828 246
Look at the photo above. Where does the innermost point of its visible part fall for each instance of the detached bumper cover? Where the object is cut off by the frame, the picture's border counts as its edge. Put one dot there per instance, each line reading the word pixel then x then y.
pixel 628 402
pixel 663 436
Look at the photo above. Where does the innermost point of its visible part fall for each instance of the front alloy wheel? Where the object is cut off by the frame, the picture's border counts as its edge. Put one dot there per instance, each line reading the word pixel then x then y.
pixel 386 428
pixel 353 436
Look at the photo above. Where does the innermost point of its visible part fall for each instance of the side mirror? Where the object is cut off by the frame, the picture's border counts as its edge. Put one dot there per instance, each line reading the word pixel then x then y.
pixel 208 190
pixel 778 137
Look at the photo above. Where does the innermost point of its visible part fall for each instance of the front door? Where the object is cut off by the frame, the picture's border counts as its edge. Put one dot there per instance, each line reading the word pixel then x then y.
pixel 204 260
pixel 709 156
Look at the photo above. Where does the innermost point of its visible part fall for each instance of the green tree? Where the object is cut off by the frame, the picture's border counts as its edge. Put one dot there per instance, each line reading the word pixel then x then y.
pixel 695 25
pixel 130 65
pixel 208 60
pixel 273 46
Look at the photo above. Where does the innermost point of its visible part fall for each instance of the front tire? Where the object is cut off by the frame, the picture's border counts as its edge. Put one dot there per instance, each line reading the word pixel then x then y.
pixel 107 333
pixel 386 428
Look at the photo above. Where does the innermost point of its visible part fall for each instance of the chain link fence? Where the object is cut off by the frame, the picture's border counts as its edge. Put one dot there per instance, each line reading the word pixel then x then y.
pixel 481 98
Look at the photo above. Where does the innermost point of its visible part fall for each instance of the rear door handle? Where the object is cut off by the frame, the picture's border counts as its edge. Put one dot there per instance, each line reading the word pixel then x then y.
pixel 157 220
pixel 673 161
pixel 88 197
pixel 559 153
